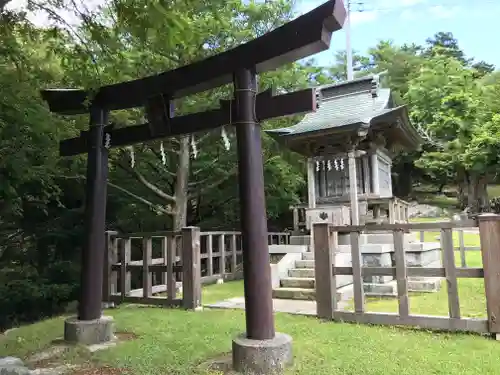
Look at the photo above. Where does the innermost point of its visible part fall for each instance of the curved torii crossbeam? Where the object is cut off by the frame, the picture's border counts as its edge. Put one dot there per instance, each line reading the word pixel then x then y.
pixel 306 35
pixel 302 37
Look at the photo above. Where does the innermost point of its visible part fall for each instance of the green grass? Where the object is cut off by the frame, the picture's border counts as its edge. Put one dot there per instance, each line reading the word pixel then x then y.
pixel 442 201
pixel 471 296
pixel 428 219
pixel 493 191
pixel 172 341
pixel 217 292
pixel 470 239
pixel 425 195
pixel 471 291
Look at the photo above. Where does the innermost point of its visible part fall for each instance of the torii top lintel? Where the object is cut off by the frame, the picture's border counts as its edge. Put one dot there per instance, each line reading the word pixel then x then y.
pixel 302 37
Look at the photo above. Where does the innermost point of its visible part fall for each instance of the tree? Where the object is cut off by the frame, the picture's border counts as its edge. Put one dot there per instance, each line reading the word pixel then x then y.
pixel 446 99
pixel 129 40
pixel 445 44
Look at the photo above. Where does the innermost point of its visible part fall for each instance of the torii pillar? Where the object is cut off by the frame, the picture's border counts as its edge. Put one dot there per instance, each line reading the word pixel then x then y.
pixel 260 349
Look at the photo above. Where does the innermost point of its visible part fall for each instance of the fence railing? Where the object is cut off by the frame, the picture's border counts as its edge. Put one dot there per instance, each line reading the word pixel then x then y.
pixel 324 243
pixel 151 268
pixel 171 247
pixel 461 248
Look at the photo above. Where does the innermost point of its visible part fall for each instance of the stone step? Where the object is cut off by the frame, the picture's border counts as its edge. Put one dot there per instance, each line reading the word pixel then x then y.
pixel 298 282
pixel 295 293
pixel 343 294
pixel 301 272
pixel 308 255
pixel 304 264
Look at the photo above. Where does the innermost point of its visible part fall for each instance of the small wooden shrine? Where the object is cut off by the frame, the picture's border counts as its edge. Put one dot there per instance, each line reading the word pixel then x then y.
pixel 351 137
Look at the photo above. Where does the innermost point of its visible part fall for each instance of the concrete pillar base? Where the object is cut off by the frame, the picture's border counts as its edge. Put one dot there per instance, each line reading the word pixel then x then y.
pixel 89 332
pixel 261 357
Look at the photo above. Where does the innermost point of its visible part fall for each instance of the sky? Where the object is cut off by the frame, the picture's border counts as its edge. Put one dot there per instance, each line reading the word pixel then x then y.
pixel 473 23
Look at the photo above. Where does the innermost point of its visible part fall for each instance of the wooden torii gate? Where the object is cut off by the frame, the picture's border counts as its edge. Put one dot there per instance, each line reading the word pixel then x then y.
pixel 304 36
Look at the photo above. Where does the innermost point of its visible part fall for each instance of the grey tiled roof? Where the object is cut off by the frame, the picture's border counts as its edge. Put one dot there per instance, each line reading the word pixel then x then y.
pixel 341 110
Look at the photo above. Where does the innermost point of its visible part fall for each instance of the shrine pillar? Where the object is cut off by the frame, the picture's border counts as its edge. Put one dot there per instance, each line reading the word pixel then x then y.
pixel 311 184
pixel 375 172
pixel 353 187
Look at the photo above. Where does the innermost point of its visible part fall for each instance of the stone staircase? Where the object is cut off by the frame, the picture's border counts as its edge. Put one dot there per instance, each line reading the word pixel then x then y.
pixel 300 283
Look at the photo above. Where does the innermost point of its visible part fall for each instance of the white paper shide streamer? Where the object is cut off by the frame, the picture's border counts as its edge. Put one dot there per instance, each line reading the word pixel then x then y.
pixel 163 156
pixel 329 165
pixel 225 139
pixel 193 147
pixel 132 156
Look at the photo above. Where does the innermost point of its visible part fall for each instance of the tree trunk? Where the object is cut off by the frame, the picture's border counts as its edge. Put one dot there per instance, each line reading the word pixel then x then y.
pixel 462 189
pixel 181 186
pixel 477 193
pixel 471 193
pixel 482 194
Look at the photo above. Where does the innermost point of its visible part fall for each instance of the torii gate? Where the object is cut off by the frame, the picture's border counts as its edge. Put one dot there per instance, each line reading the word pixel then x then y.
pixel 304 36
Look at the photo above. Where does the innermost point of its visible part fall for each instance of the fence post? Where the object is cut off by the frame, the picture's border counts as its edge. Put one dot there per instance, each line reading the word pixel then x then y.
pixel 326 294
pixel 489 232
pixel 110 279
pixel 191 268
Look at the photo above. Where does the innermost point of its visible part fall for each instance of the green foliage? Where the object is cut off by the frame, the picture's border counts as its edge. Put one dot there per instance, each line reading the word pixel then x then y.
pixel 42 195
pixel 455 100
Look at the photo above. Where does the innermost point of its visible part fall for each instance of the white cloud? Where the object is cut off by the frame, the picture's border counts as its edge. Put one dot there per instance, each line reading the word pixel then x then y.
pixel 398 3
pixel 408 15
pixel 363 17
pixel 357 17
pixel 408 3
pixel 440 11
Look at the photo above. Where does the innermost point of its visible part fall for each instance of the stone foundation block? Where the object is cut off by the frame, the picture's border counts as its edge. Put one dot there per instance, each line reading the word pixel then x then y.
pixel 389 289
pixel 423 258
pixel 260 357
pixel 300 240
pixel 425 284
pixel 89 332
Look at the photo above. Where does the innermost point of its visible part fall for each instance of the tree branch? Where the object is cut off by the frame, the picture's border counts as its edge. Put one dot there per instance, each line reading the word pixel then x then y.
pixel 205 168
pixel 158 155
pixel 214 184
pixel 160 171
pixel 156 190
pixel 157 207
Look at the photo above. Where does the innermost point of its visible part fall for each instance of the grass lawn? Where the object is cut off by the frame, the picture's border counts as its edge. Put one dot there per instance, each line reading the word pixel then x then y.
pixel 471 291
pixel 177 342
pixel 471 296
pixel 172 341
pixel 428 219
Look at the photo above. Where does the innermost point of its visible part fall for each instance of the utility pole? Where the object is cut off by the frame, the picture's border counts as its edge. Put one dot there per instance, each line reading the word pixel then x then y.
pixel 348 47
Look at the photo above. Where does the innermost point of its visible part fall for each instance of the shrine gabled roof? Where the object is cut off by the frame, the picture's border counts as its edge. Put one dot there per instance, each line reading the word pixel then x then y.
pixel 350 106
pixel 338 112
pixel 339 108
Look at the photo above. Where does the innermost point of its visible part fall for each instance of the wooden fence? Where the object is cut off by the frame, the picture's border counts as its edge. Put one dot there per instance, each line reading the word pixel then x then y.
pixel 461 248
pixel 151 268
pixel 489 229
